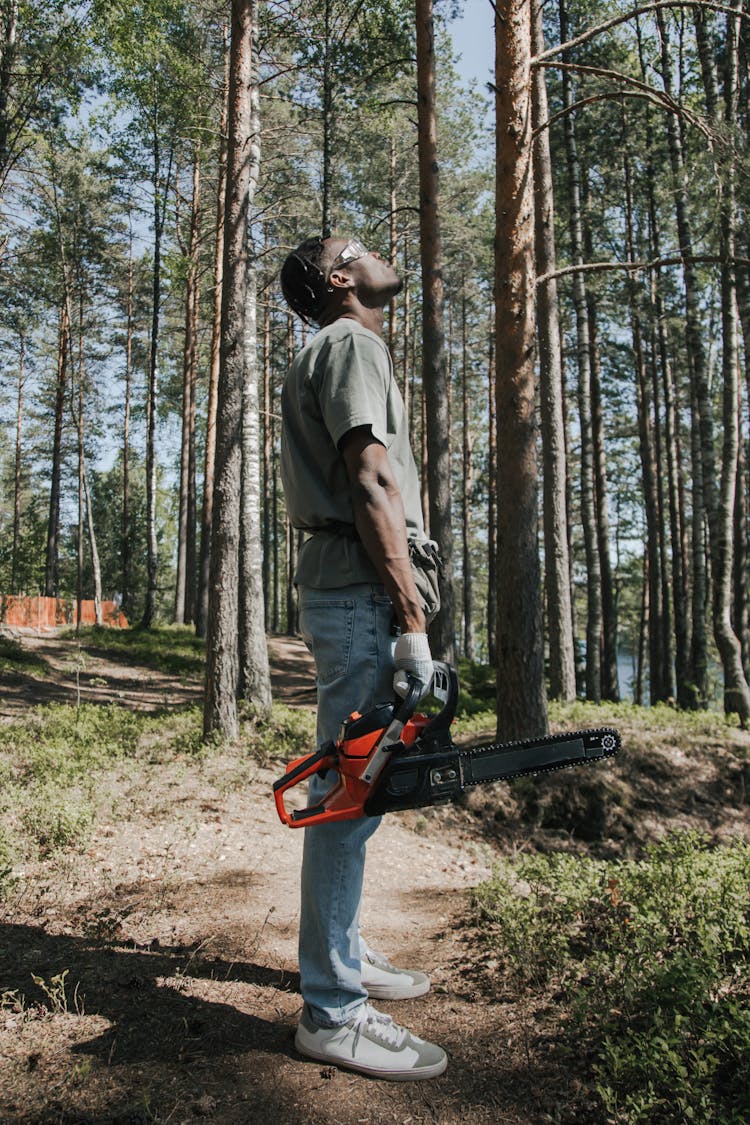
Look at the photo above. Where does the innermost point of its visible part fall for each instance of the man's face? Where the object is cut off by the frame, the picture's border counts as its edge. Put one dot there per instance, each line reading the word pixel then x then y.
pixel 375 280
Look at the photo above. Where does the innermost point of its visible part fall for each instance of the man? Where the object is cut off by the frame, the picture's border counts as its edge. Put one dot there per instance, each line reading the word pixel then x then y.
pixel 351 483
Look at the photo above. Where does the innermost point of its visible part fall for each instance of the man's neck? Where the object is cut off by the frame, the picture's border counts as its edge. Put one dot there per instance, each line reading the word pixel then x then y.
pixel 368 318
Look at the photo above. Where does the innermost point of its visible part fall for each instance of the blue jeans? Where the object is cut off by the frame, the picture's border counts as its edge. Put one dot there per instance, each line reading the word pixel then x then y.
pixel 348 632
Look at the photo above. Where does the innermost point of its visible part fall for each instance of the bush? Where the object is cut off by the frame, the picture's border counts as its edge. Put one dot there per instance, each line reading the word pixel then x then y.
pixel 651 957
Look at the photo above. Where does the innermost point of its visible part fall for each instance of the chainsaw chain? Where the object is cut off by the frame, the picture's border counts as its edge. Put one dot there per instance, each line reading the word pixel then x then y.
pixel 610 741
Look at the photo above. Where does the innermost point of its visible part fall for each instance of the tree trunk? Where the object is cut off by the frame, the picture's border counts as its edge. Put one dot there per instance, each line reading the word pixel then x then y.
pixel 126 551
pixel 17 468
pixel 588 488
pixel 492 497
pixel 222 656
pixel 213 381
pixel 255 677
pixel 610 680
pixel 521 696
pixel 95 563
pixel 704 470
pixel 562 676
pixel 53 523
pixel 434 368
pixel 185 578
pixel 152 560
pixel 467 487
pixel 267 462
pixel 736 688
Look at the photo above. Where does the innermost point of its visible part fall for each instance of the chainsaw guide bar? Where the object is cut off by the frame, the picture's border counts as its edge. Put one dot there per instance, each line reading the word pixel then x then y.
pixel 392 758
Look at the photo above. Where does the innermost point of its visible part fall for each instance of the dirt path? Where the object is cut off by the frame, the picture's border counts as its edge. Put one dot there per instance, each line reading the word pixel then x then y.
pixel 176 933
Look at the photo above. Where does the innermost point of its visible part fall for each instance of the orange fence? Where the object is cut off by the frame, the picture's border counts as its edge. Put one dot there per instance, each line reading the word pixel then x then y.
pixel 48 613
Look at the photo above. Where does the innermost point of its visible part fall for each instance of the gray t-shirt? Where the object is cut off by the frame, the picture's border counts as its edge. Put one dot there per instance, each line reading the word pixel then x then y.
pixel 341 379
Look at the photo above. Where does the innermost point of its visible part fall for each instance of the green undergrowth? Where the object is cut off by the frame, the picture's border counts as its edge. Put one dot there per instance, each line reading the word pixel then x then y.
pixel 54 763
pixel 169 648
pixel 644 964
pixel 15 658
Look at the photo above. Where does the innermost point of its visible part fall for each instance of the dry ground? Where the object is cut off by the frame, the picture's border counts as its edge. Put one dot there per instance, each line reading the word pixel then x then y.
pixel 173 940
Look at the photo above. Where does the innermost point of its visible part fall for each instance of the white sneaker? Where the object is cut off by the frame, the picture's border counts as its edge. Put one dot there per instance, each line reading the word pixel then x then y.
pixel 384 981
pixel 372 1044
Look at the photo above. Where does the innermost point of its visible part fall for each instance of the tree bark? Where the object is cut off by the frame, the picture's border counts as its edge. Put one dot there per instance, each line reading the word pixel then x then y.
pixel 736 688
pixel 562 676
pixel 255 676
pixel 521 695
pixel 213 381
pixel 185 577
pixel 222 650
pixel 434 367
pixel 53 522
pixel 126 550
pixel 467 487
pixel 704 468
pixel 492 496
pixel 17 468
pixel 583 351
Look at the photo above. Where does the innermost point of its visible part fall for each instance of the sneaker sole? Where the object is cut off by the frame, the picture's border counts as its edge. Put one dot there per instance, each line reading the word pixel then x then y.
pixel 416 1074
pixel 393 992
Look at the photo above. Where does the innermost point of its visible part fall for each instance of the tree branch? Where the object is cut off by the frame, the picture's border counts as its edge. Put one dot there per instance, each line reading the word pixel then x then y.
pixel 655 264
pixel 658 97
pixel 632 14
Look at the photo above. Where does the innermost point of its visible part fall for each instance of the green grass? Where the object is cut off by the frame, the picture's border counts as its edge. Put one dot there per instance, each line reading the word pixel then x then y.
pixel 54 761
pixel 14 658
pixel 174 648
pixel 647 961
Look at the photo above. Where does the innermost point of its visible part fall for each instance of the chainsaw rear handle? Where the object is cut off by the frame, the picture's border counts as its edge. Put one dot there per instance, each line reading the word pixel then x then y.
pixel 345 800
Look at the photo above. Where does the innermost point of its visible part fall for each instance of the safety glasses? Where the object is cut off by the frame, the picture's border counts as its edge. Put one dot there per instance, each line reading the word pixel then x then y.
pixel 353 250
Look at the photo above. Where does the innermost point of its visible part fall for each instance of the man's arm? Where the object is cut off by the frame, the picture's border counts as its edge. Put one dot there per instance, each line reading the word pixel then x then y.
pixel 381 524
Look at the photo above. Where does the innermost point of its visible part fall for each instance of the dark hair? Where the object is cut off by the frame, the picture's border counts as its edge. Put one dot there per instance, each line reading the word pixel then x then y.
pixel 303 280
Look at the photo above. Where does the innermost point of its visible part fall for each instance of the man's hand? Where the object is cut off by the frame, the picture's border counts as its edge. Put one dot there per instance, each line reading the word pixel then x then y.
pixel 412 655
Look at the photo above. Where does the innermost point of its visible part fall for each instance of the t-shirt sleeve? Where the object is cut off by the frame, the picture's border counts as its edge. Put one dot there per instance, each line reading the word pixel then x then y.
pixel 352 381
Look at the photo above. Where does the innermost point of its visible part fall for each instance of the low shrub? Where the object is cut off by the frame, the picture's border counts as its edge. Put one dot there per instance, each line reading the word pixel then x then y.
pixel 650 957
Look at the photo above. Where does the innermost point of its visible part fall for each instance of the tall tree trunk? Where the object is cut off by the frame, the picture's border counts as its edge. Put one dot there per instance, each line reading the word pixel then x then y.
pixel 185 577
pixel 292 615
pixel 467 486
pixel 159 211
pixel 213 380
pixel 17 468
pixel 53 521
pixel 435 380
pixel 521 695
pixel 610 680
pixel 736 688
pixel 492 496
pixel 95 563
pixel 126 548
pixel 588 486
pixel 562 675
pixel 267 462
pixel 222 657
pixel 255 677
pixel 704 470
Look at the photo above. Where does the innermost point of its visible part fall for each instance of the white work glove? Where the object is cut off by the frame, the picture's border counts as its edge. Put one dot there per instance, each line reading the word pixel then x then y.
pixel 412 654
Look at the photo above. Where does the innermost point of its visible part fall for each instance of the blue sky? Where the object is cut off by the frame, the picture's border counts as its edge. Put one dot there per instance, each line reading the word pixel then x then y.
pixel 474 40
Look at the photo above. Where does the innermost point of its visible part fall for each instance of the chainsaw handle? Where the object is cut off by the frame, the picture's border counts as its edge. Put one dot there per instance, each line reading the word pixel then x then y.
pixel 297 771
pixel 408 704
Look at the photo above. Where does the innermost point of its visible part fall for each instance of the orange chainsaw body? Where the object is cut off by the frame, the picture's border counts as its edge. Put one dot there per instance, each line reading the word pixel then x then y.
pixel 349 758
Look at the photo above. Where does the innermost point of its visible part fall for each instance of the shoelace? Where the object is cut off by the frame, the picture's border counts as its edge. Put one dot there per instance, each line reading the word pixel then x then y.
pixel 380 1026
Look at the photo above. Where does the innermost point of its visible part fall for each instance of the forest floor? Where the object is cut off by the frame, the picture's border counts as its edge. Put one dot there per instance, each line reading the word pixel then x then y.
pixel 153 977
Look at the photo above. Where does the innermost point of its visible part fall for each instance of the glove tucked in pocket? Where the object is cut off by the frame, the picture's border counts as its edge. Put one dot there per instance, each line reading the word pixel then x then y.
pixel 426 566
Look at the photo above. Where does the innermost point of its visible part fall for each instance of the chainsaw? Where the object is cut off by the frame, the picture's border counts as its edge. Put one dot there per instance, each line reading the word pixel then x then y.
pixel 394 758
